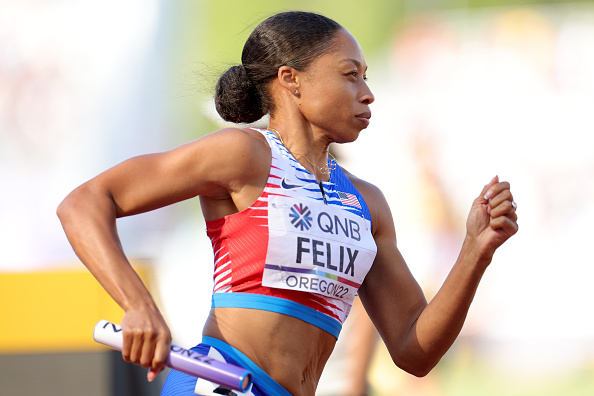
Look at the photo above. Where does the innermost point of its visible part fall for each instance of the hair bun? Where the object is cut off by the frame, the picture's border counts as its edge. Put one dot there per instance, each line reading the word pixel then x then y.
pixel 293 39
pixel 236 97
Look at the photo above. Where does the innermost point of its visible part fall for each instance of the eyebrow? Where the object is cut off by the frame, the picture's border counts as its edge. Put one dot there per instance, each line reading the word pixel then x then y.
pixel 355 61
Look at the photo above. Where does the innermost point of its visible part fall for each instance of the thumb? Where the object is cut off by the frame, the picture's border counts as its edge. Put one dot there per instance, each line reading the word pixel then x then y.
pixel 152 374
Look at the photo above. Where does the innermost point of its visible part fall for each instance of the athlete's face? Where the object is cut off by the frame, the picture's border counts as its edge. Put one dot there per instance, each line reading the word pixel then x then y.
pixel 334 94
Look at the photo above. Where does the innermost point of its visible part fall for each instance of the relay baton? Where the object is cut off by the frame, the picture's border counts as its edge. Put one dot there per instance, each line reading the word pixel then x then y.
pixel 184 360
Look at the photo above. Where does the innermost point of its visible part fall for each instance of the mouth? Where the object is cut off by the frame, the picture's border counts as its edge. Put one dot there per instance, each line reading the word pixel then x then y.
pixel 364 118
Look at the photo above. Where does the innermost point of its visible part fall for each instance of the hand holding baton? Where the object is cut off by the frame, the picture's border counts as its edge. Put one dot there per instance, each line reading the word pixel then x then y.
pixel 184 360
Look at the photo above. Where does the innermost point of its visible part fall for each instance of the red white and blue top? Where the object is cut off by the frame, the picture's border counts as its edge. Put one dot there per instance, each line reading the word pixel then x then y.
pixel 296 250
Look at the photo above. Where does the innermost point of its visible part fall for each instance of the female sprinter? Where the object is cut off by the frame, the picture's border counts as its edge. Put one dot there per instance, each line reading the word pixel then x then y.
pixel 294 235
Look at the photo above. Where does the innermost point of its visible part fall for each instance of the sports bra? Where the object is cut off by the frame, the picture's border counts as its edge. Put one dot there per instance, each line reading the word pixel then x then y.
pixel 296 250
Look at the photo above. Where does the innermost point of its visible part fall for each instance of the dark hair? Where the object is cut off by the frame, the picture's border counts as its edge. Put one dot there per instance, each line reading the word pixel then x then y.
pixel 292 39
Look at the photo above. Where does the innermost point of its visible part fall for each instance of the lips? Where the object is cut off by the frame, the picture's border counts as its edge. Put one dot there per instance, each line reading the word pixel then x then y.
pixel 364 118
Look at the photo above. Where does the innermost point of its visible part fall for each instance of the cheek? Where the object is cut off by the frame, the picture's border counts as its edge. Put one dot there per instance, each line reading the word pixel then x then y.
pixel 322 107
pixel 330 99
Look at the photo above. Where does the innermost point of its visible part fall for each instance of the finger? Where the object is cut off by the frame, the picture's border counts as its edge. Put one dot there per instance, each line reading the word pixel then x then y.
pixel 152 374
pixel 507 223
pixel 512 216
pixel 127 345
pixel 505 208
pixel 497 189
pixel 160 358
pixel 148 348
pixel 502 203
pixel 136 348
pixel 514 205
pixel 486 194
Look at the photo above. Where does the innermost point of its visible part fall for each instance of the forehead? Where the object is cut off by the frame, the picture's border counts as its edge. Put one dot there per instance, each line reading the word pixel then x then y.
pixel 346 49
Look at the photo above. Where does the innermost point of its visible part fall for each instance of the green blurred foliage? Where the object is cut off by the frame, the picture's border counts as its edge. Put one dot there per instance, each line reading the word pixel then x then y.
pixel 372 22
pixel 205 37
pixel 231 21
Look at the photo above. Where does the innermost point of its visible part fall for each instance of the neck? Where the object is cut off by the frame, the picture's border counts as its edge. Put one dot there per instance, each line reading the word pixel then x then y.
pixel 311 154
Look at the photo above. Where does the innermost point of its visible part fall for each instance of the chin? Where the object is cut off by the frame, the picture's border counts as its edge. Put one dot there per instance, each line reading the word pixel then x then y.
pixel 351 137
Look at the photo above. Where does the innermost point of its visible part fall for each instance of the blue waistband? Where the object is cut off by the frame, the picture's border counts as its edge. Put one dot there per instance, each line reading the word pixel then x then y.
pixel 279 305
pixel 265 382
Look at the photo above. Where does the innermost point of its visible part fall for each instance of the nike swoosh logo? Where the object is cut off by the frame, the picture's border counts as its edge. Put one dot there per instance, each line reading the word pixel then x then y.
pixel 288 186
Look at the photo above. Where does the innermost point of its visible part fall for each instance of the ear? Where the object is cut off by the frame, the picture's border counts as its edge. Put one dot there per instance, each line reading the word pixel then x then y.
pixel 289 78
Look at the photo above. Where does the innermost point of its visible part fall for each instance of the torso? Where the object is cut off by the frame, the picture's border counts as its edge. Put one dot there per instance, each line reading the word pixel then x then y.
pixel 290 350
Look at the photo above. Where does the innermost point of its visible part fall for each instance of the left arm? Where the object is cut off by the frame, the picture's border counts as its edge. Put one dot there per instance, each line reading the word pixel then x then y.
pixel 416 333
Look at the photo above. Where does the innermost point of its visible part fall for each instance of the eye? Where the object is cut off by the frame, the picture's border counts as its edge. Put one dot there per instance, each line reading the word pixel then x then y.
pixel 356 75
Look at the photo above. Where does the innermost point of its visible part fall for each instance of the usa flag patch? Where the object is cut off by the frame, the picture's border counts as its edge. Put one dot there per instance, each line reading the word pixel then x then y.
pixel 349 199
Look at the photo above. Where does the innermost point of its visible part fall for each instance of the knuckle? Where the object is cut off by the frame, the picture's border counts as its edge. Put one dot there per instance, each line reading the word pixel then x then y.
pixel 137 332
pixel 162 334
pixel 149 333
pixel 133 333
pixel 136 359
pixel 505 194
pixel 158 362
pixel 166 336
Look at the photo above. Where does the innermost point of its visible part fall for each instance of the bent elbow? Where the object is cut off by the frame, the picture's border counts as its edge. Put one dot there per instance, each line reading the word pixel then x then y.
pixel 65 207
pixel 422 371
pixel 419 367
pixel 61 209
pixel 74 203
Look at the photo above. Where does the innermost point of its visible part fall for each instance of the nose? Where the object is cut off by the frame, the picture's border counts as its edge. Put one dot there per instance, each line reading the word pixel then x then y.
pixel 367 96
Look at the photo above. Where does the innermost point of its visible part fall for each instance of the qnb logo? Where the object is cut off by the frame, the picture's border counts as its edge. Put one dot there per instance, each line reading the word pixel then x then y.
pixel 300 217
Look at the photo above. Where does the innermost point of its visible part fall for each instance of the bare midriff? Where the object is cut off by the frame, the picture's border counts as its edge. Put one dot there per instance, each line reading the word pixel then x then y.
pixel 291 351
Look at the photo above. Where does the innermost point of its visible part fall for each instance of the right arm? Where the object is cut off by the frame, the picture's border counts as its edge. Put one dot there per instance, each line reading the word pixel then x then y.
pixel 220 166
pixel 416 333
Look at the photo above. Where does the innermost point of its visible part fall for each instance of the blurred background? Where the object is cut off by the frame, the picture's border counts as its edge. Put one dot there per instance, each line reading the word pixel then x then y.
pixel 465 90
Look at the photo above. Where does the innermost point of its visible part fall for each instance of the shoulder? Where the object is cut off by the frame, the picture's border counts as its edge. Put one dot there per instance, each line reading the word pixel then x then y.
pixel 232 147
pixel 234 140
pixel 223 161
pixel 375 199
pixel 370 192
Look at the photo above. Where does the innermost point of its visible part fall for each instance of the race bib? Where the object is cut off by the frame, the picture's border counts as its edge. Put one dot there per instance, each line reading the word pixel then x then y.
pixel 317 248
